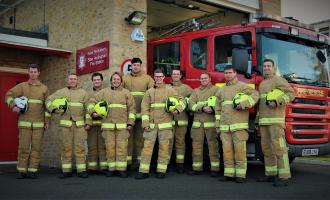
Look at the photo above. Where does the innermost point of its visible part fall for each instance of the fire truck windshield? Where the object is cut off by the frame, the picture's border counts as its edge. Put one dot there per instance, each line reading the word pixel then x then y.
pixel 296 61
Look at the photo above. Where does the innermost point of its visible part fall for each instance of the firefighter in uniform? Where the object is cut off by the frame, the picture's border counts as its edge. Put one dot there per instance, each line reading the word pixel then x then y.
pixel 72 123
pixel 157 123
pixel 204 125
pixel 116 125
pixel 181 122
pixel 137 82
pixel 33 119
pixel 272 123
pixel 232 117
pixel 96 158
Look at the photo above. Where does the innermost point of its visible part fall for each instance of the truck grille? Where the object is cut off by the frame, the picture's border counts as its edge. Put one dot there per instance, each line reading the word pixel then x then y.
pixel 307 127
pixel 310 101
pixel 308 111
pixel 314 136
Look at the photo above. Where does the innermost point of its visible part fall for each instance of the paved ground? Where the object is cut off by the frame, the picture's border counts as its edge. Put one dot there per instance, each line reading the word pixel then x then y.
pixel 310 181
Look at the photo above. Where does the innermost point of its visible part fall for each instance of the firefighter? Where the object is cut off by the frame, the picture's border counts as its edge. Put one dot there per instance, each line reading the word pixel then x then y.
pixel 272 123
pixel 157 123
pixel 116 125
pixel 232 117
pixel 72 123
pixel 137 82
pixel 204 125
pixel 96 158
pixel 181 122
pixel 27 99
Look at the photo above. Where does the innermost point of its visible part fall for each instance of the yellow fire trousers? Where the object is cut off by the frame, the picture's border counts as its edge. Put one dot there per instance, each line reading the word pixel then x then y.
pixel 150 137
pixel 179 142
pixel 116 145
pixel 197 136
pixel 73 139
pixel 275 151
pixel 96 158
pixel 29 149
pixel 135 143
pixel 234 153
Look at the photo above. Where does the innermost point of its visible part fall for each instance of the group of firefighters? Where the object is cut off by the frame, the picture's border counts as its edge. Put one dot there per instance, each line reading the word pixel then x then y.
pixel 122 122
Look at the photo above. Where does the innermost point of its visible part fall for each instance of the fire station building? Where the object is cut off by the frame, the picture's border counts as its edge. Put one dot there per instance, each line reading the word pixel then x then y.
pixel 92 35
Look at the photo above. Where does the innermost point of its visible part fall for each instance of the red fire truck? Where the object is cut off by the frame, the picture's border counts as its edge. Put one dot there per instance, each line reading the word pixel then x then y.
pixel 299 52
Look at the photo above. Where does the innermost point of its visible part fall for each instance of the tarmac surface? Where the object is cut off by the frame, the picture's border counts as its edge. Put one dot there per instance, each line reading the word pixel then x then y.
pixel 310 181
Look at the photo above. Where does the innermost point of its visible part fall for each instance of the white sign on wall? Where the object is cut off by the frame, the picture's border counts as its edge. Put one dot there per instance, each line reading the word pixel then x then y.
pixel 137 35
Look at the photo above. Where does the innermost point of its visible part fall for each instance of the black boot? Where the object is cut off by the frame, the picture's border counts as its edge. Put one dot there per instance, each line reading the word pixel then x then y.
pixel 82 174
pixel 266 179
pixel 65 175
pixel 141 175
pixel 20 175
pixel 110 174
pixel 214 174
pixel 239 180
pixel 122 174
pixel 226 179
pixel 179 168
pixel 160 175
pixel 280 182
pixel 194 172
pixel 33 175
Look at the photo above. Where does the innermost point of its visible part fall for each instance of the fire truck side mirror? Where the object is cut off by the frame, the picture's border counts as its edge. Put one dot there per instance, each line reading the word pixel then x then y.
pixel 320 55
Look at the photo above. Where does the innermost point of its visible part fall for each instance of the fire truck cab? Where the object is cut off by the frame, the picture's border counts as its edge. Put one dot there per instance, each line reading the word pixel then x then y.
pixel 299 53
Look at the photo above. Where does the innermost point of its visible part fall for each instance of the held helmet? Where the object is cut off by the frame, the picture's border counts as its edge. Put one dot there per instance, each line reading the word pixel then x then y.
pixel 60 104
pixel 273 95
pixel 22 103
pixel 171 104
pixel 101 108
pixel 239 98
pixel 211 101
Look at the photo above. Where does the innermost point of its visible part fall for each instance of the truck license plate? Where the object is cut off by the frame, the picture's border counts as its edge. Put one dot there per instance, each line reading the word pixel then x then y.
pixel 310 152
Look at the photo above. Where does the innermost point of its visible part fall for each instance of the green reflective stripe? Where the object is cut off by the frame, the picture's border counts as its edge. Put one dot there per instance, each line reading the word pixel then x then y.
pixel 282 142
pixel 137 93
pixel 215 164
pixel 251 101
pixel 229 170
pixel 131 116
pixel 152 126
pixel 194 107
pixel 81 166
pixel 48 105
pixel 38 124
pixel 138 115
pixel 226 103
pixel 88 116
pixel 90 107
pixel 76 104
pixel 92 164
pixel 21 169
pixel 241 171
pixel 111 164
pixel 36 101
pixel 196 124
pixel 286 166
pixel 165 125
pixel 286 98
pixel 209 124
pixel 200 103
pixel 144 167
pixel 139 157
pixel 66 166
pixel 108 125
pixel 47 114
pixel 121 164
pixel 197 164
pixel 121 126
pixel 217 117
pixel 145 117
pixel 183 104
pixel 263 95
pixel 271 169
pixel 129 158
pixel 96 122
pixel 224 127
pixel 80 123
pixel 116 105
pixel 157 105
pixel 238 126
pixel 67 123
pixel 24 124
pixel 103 164
pixel 32 170
pixel 263 121
pixel 173 123
pixel 161 166
pixel 180 157
pixel 182 122
pixel 9 100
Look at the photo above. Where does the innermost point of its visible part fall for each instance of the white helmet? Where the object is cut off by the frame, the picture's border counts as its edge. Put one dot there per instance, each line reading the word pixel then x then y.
pixel 22 103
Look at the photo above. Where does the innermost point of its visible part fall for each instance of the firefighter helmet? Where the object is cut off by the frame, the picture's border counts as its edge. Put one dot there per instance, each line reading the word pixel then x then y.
pixel 60 104
pixel 171 104
pixel 273 95
pixel 22 103
pixel 211 101
pixel 239 98
pixel 101 109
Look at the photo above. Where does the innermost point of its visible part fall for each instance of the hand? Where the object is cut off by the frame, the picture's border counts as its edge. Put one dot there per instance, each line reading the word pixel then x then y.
pixel 207 109
pixel 46 126
pixel 217 130
pixel 95 115
pixel 272 104
pixel 16 109
pixel 87 127
pixel 129 127
pixel 147 129
pixel 59 111
pixel 239 107
pixel 175 112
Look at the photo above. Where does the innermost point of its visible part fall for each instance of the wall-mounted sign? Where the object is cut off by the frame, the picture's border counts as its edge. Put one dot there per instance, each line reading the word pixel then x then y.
pixel 137 35
pixel 92 58
pixel 126 67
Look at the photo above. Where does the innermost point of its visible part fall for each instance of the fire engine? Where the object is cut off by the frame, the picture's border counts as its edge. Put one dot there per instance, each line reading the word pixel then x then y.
pixel 300 55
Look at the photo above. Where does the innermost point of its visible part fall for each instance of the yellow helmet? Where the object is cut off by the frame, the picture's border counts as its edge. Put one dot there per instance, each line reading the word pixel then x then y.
pixel 239 98
pixel 274 94
pixel 171 104
pixel 101 108
pixel 211 101
pixel 60 104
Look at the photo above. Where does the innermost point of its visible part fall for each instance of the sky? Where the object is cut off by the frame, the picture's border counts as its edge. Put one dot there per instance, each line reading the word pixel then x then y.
pixel 306 11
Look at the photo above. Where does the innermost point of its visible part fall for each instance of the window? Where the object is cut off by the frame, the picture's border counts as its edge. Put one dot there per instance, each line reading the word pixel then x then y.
pixel 223 47
pixel 167 57
pixel 198 53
